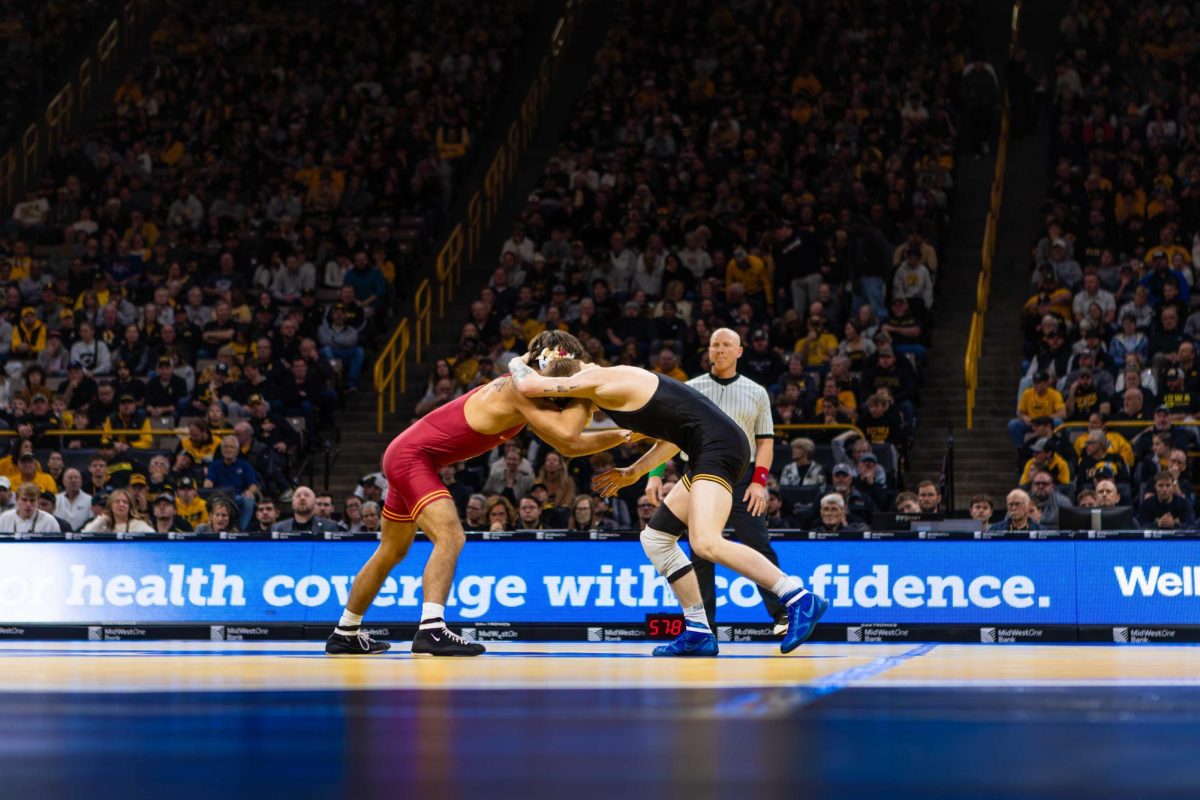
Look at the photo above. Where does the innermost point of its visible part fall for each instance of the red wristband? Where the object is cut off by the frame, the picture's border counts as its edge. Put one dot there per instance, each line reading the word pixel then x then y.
pixel 760 475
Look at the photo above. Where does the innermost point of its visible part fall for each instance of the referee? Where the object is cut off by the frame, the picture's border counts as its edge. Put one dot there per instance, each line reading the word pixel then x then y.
pixel 750 407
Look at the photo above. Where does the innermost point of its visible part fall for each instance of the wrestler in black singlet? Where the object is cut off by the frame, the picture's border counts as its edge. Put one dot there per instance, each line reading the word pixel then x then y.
pixel 716 447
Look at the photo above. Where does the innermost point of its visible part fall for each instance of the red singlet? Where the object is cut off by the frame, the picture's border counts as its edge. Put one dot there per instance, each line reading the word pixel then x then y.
pixel 412 461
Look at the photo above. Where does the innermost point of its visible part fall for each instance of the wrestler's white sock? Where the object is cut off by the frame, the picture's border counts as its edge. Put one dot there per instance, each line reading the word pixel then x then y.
pixel 433 612
pixel 695 619
pixel 348 624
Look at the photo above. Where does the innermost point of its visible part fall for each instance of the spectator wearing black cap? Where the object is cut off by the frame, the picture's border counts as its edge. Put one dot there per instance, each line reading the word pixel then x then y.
pixel 270 428
pixel 1084 398
pixel 761 363
pixel 188 504
pixel 1040 400
pixel 1178 397
pixel 165 517
pixel 129 417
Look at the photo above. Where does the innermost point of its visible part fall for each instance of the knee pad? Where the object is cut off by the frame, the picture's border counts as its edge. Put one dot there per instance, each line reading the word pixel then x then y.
pixel 665 520
pixel 665 554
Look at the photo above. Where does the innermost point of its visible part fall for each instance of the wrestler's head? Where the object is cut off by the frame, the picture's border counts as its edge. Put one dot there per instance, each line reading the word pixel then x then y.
pixel 560 343
pixel 563 367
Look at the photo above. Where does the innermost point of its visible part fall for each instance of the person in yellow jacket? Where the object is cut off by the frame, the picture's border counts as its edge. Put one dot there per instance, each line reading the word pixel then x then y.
pixel 189 505
pixel 28 471
pixel 751 273
pixel 129 417
pixel 1046 459
pixel 29 335
pixel 819 346
pixel 1118 445
pixel 1040 400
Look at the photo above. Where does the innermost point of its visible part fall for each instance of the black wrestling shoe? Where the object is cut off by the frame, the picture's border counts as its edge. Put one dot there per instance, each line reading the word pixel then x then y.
pixel 358 644
pixel 438 640
pixel 780 625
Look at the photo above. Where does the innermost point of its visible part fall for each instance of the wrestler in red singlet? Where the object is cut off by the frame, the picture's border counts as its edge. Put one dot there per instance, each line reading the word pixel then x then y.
pixel 412 461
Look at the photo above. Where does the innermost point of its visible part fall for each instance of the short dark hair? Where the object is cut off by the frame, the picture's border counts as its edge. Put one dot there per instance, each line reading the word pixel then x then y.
pixel 983 498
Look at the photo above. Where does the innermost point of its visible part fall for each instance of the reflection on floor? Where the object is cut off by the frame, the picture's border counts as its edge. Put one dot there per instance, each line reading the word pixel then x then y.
pixel 122 719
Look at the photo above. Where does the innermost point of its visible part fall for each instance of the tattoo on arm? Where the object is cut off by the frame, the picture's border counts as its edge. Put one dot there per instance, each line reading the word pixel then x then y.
pixel 519 369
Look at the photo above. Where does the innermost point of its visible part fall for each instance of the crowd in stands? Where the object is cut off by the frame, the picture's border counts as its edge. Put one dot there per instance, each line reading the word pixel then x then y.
pixel 219 250
pixel 783 170
pixel 1111 387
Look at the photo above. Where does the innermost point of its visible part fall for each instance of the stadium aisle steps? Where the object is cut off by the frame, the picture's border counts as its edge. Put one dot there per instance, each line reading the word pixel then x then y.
pixel 943 395
pixel 984 456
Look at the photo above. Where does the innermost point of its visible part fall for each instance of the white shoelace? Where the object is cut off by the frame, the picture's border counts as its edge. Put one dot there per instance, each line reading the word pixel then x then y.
pixel 365 641
pixel 454 637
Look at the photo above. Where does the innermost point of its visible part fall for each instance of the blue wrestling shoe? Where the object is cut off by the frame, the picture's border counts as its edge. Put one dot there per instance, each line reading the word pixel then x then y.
pixel 690 643
pixel 802 619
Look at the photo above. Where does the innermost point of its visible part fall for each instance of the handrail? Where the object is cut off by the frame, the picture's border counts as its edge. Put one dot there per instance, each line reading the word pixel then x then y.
pixel 818 426
pixel 68 106
pixel 785 428
pixel 988 250
pixel 423 315
pixel 9 433
pixel 465 237
pixel 392 359
pixel 1124 423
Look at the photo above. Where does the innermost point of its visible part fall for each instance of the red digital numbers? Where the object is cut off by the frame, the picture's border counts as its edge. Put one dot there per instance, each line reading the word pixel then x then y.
pixel 664 626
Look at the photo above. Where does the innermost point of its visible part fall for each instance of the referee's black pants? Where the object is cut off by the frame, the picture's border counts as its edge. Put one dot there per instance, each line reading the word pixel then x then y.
pixel 750 531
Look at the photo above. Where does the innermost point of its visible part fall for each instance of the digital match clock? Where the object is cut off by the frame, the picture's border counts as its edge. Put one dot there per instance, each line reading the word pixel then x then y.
pixel 664 626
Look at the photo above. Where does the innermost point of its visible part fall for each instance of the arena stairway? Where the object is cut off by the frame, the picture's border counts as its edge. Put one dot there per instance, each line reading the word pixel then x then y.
pixel 984 458
pixel 360 446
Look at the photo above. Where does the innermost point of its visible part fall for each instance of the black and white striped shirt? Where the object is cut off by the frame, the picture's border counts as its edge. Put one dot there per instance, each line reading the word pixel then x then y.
pixel 745 401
